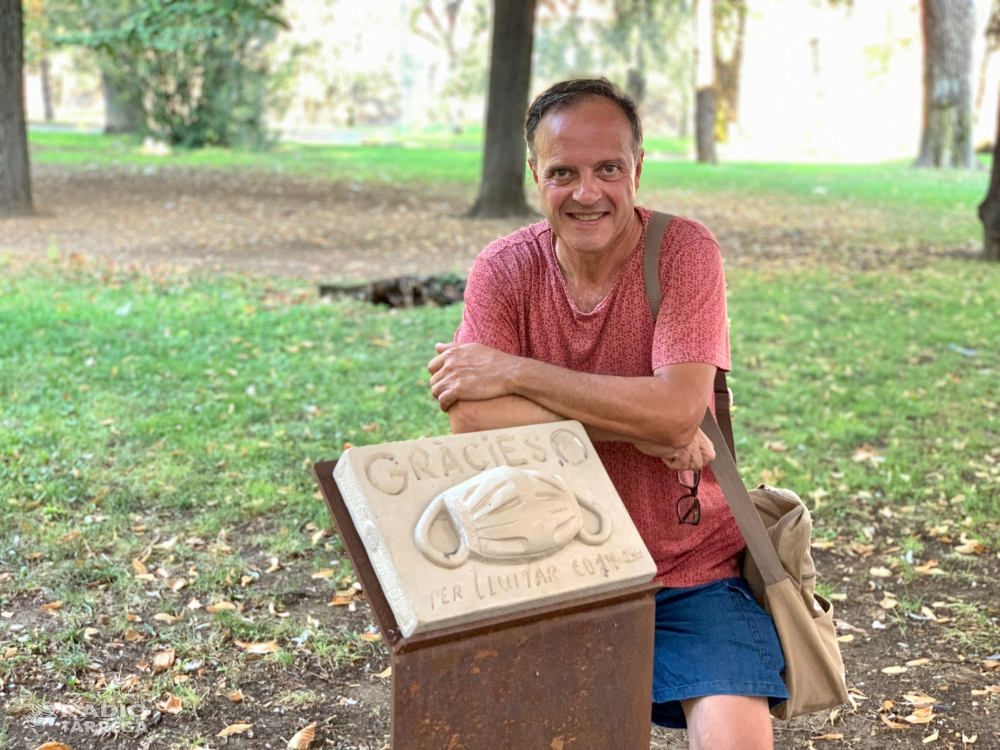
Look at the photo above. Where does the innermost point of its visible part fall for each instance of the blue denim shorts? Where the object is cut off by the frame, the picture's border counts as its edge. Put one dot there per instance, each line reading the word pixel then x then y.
pixel 713 640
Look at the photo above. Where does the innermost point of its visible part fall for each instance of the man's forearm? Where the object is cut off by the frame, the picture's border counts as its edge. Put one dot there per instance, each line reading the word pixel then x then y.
pixel 498 413
pixel 514 411
pixel 640 408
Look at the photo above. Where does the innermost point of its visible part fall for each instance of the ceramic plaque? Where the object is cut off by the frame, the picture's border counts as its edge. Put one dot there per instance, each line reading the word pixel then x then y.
pixel 465 527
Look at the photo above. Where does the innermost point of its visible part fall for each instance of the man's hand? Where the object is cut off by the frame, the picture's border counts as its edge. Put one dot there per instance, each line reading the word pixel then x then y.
pixel 468 372
pixel 697 454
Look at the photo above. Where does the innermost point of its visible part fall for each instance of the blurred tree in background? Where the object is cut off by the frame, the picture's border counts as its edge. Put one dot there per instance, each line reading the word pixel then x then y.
pixel 197 68
pixel 15 175
pixel 946 137
pixel 437 21
pixel 730 30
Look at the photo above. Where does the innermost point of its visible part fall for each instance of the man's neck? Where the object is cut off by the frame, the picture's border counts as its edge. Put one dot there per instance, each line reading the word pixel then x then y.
pixel 596 272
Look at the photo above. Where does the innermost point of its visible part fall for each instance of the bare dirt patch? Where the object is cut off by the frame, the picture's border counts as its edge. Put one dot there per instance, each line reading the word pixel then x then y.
pixel 280 225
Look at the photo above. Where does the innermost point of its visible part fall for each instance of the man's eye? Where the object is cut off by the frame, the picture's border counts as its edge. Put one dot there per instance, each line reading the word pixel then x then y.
pixel 560 173
pixel 610 168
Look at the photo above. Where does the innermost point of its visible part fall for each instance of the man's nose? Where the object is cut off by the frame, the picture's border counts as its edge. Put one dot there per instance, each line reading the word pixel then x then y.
pixel 587 190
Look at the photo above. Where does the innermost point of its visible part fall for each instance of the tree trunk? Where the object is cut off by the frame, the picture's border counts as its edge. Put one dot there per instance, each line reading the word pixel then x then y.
pixel 46 88
pixel 704 110
pixel 15 174
pixel 635 82
pixel 123 110
pixel 989 209
pixel 501 192
pixel 946 139
pixel 728 61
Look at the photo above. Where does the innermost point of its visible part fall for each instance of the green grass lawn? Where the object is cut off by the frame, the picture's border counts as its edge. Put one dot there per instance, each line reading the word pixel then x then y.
pixel 211 397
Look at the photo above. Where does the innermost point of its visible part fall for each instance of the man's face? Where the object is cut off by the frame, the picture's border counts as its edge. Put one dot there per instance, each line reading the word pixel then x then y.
pixel 586 174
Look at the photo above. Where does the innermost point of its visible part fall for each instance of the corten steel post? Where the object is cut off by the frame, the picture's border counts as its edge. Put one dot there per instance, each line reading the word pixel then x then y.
pixel 576 675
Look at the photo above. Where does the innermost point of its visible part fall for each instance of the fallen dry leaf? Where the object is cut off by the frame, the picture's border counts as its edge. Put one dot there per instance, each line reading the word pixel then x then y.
pixel 234 729
pixel 52 606
pixel 970 547
pixel 177 584
pixel 865 453
pixel 888 602
pixel 828 737
pixel 340 601
pixel 164 660
pixel 167 544
pixel 919 698
pixel 236 696
pixel 172 705
pixel 325 573
pixel 969 740
pixel 880 573
pixel 53 746
pixel 219 606
pixel 303 738
pixel 894 670
pixel 918 662
pixel 371 637
pixel 168 618
pixel 932 737
pixel 132 636
pixel 846 638
pixel 270 647
pixel 928 568
pixel 9 653
pixel 922 715
pixel 387 672
pixel 140 568
pixel 890 723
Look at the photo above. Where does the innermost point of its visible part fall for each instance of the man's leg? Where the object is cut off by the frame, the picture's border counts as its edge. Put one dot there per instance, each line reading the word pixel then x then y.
pixel 728 722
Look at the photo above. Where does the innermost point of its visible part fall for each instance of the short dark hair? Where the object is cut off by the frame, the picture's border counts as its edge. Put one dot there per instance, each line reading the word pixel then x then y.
pixel 567 94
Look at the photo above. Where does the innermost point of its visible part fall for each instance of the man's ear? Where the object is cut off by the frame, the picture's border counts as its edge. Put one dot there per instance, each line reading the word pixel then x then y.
pixel 534 171
pixel 638 168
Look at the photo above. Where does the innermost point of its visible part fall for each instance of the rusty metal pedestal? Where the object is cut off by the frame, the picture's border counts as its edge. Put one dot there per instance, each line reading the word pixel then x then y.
pixel 571 676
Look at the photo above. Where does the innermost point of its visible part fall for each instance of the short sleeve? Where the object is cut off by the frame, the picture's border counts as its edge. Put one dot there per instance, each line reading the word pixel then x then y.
pixel 692 324
pixel 490 315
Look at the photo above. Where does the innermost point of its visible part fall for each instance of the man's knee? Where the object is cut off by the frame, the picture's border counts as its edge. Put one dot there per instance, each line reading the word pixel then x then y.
pixel 728 722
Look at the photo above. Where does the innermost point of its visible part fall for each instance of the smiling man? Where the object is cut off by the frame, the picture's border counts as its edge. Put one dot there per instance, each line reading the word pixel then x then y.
pixel 557 326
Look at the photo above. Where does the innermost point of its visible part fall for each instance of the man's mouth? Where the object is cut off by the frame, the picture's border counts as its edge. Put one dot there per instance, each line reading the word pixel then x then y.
pixel 587 217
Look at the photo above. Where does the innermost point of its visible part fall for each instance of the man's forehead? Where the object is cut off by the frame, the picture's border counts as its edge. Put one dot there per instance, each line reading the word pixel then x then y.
pixel 594 127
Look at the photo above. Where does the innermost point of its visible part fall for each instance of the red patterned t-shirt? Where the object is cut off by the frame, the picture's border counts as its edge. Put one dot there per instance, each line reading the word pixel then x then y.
pixel 517 302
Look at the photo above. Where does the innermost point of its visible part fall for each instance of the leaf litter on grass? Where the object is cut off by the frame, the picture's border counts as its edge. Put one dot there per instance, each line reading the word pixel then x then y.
pixel 899 514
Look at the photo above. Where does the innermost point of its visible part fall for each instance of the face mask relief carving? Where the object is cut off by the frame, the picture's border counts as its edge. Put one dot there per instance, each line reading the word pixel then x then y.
pixel 511 515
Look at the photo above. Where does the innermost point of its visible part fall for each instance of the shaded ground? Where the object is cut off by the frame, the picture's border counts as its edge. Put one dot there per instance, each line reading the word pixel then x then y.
pixel 274 224
pixel 947 646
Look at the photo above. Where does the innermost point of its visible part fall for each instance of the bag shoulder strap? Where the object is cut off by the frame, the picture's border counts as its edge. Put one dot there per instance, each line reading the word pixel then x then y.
pixel 655 230
pixel 743 508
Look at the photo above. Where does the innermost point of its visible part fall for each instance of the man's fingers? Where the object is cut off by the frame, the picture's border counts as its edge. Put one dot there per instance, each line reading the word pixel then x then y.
pixel 435 364
pixel 446 400
pixel 441 348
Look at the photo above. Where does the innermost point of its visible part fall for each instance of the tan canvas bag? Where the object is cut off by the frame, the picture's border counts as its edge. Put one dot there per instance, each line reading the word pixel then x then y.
pixel 782 576
pixel 777 529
